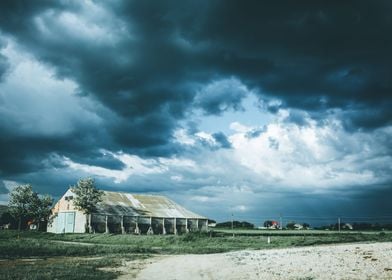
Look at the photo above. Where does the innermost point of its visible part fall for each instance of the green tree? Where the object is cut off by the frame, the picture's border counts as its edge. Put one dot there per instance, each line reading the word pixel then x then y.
pixel 41 208
pixel 306 225
pixel 26 203
pixel 290 225
pixel 86 198
pixel 268 223
pixel 20 204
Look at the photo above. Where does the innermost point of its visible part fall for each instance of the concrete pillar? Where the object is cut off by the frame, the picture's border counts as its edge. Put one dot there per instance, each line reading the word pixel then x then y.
pixel 150 231
pixel 122 225
pixel 163 226
pixel 175 226
pixel 106 224
pixel 90 228
pixel 137 230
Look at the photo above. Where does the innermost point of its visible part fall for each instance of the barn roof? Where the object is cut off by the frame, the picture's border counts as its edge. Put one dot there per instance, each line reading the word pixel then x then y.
pixel 119 203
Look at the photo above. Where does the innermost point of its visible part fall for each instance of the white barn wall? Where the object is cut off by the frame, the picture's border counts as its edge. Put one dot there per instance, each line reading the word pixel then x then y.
pixel 80 222
pixel 66 206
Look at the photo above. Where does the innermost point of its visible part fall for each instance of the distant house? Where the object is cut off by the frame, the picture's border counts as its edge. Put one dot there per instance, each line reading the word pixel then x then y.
pixel 298 226
pixel 347 227
pixel 211 223
pixel 274 225
pixel 126 213
pixel 269 224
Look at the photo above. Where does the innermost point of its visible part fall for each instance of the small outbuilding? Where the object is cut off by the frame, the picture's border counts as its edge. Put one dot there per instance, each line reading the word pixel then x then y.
pixel 120 212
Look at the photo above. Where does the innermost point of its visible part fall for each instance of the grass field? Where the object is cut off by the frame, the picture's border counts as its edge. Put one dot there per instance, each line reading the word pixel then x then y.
pixel 36 255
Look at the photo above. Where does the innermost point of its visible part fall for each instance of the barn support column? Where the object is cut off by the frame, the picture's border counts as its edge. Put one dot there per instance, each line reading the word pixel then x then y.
pixel 137 230
pixel 90 228
pixel 122 225
pixel 207 225
pixel 150 231
pixel 163 226
pixel 186 225
pixel 106 224
pixel 175 226
pixel 197 224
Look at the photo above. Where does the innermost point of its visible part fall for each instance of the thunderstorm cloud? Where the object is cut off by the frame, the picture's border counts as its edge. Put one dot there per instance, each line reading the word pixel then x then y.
pixel 226 106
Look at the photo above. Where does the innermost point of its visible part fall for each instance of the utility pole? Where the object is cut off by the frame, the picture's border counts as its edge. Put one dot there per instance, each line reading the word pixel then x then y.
pixel 232 223
pixel 280 221
pixel 339 224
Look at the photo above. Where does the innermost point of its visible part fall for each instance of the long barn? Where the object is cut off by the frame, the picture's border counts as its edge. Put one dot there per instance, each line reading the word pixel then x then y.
pixel 120 212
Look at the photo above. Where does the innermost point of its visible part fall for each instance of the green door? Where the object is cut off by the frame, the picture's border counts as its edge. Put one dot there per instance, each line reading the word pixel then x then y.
pixel 60 222
pixel 65 222
pixel 69 222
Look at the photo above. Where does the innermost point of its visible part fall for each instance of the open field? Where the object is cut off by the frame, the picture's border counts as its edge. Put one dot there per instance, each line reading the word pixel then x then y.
pixel 35 255
pixel 337 261
pixel 275 232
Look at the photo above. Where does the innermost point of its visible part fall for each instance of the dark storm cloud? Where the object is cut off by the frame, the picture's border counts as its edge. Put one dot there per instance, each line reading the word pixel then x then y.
pixel 136 78
pixel 3 60
pixel 309 54
pixel 3 189
pixel 254 133
pixel 148 63
pixel 221 138
pixel 27 154
pixel 316 49
pixel 315 55
pixel 3 66
pixel 297 117
pixel 100 159
pixel 221 96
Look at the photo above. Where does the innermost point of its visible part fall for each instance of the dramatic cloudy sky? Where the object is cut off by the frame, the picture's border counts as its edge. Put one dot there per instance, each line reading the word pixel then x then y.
pixel 247 107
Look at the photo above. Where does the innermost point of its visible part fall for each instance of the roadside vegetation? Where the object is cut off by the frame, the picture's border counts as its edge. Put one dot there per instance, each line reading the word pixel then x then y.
pixel 59 268
pixel 32 244
pixel 40 255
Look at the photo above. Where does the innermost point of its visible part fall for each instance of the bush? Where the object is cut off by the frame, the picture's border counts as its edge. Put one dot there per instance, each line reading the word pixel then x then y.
pixel 236 224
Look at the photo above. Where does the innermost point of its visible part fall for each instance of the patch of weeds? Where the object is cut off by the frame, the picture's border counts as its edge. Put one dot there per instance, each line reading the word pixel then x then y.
pixel 59 268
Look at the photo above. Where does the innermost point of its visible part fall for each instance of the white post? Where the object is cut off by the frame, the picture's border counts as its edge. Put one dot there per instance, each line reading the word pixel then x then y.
pixel 197 224
pixel 137 230
pixel 90 228
pixel 175 226
pixel 122 225
pixel 186 225
pixel 106 225
pixel 150 231
pixel 163 226
pixel 207 225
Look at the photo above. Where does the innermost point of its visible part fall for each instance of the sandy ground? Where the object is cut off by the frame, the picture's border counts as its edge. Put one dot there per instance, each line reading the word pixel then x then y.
pixel 348 261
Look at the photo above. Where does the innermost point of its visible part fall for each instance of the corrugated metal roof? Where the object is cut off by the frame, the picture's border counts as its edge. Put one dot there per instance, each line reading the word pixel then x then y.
pixel 118 203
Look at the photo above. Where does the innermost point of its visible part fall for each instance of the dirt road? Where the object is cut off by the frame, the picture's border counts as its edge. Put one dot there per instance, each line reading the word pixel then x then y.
pixel 349 261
